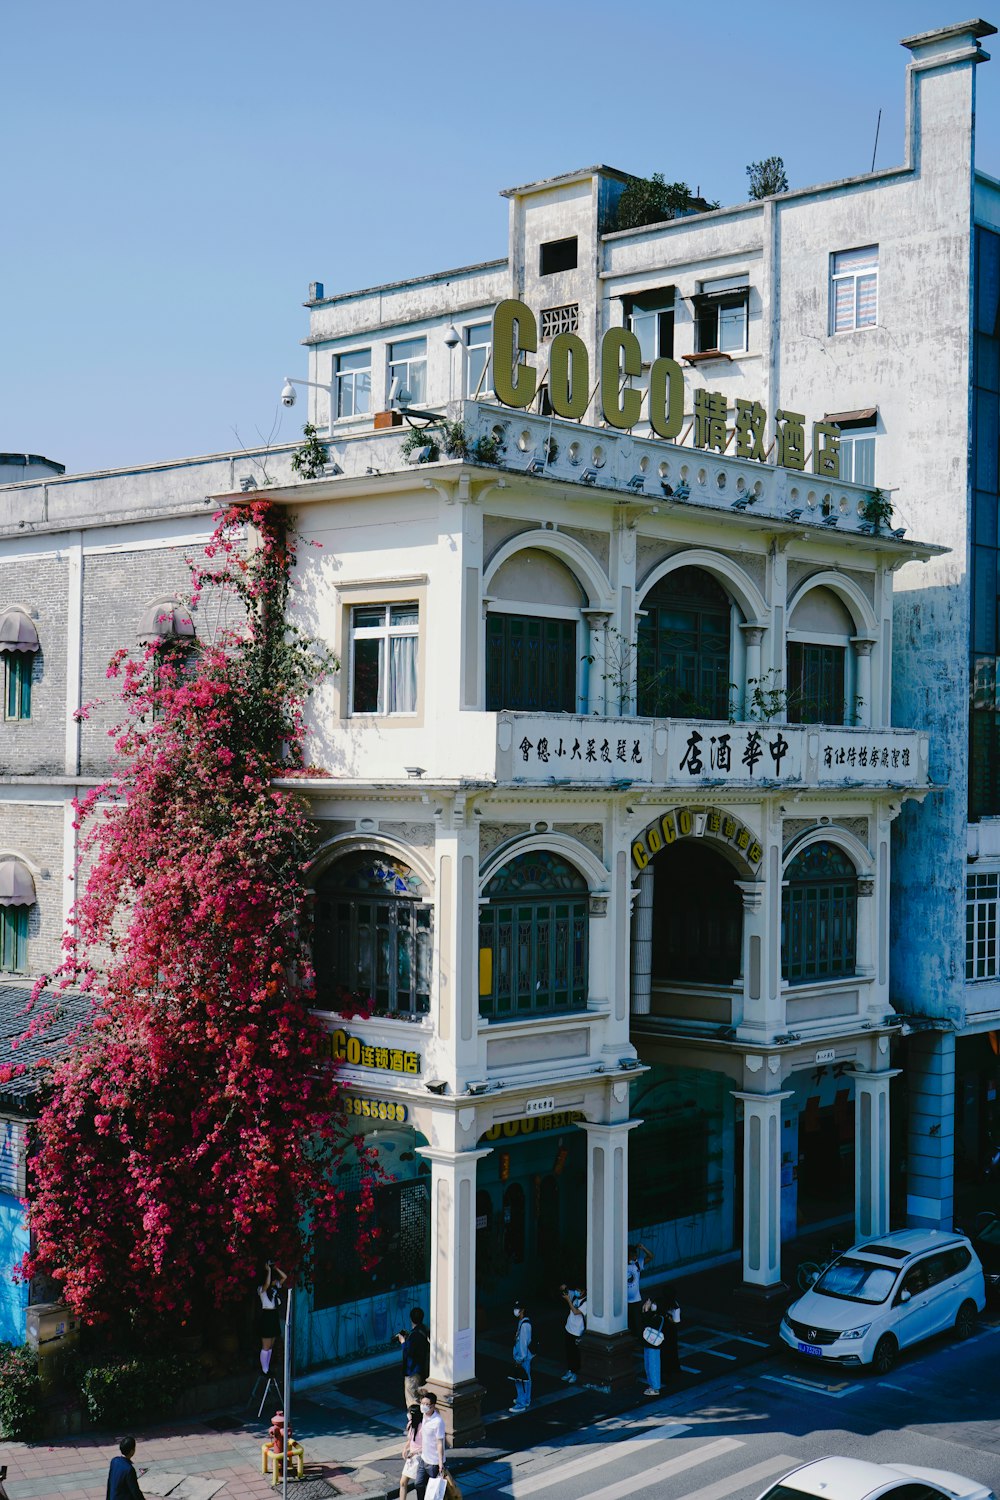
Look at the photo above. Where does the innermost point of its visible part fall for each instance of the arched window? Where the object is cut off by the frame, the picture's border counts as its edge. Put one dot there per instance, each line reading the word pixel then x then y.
pixel 18 647
pixel 819 916
pixel 166 620
pixel 819 635
pixel 17 896
pixel 372 934
pixel 683 657
pixel 533 938
pixel 532 642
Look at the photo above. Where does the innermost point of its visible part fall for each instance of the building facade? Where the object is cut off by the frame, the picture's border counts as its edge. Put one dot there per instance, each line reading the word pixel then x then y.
pixel 641 692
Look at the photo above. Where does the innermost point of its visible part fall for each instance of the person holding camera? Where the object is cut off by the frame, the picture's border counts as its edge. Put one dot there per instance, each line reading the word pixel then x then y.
pixel 576 1322
pixel 416 1357
pixel 268 1322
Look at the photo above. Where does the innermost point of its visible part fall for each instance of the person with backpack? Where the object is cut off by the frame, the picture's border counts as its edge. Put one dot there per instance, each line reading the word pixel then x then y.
pixel 576 1322
pixel 522 1358
pixel 416 1358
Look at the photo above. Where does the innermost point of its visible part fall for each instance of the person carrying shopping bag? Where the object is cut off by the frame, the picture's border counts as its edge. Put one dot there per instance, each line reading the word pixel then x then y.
pixel 432 1439
pixel 652 1337
pixel 414 1471
pixel 522 1358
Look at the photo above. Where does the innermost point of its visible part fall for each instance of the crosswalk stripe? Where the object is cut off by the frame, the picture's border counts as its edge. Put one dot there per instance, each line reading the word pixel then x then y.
pixel 521 1487
pixel 648 1477
pixel 753 1475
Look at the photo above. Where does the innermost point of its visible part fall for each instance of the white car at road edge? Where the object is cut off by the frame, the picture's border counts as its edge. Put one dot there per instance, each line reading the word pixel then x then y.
pixel 857 1479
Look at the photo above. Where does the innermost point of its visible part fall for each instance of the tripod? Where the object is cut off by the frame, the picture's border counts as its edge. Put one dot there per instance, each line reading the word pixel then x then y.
pixel 265 1383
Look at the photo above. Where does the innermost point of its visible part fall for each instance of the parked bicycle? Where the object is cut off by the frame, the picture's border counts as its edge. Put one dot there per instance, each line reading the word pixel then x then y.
pixel 808 1272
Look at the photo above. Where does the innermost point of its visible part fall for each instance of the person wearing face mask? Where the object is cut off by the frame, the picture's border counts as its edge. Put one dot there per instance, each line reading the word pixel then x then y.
pixel 522 1359
pixel 431 1436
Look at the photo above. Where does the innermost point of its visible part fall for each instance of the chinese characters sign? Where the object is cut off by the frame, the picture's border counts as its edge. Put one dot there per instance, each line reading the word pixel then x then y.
pixel 358 1053
pixel 558 1120
pixel 696 822
pixel 579 749
pixel 872 757
pixel 698 751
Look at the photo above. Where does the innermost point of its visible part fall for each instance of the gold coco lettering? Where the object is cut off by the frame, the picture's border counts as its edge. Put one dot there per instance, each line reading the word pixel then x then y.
pixel 515 381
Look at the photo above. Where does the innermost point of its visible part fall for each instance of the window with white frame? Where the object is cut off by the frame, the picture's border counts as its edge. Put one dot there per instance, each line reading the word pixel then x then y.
pixel 408 365
pixel 857 459
pixel 854 289
pixel 352 378
pixel 650 316
pixel 722 309
pixel 478 344
pixel 982 900
pixel 384 658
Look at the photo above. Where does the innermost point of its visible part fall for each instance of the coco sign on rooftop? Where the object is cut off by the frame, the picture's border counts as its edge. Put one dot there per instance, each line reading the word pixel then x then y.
pixel 515 383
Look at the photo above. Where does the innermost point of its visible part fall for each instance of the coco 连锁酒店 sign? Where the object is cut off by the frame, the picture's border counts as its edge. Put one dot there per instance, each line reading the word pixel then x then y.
pixel 515 383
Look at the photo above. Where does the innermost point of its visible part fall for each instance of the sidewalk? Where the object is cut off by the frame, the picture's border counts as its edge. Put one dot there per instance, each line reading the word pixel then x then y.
pixel 351 1427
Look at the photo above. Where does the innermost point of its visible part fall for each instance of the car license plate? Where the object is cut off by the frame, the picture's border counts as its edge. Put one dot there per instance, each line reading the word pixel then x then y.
pixel 810 1349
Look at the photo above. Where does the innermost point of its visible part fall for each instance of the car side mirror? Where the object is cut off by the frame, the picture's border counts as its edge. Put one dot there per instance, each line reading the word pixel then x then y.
pixel 904 1295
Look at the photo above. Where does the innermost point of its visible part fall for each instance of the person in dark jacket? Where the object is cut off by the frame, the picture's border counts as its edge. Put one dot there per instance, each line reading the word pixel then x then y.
pixel 123 1482
pixel 416 1358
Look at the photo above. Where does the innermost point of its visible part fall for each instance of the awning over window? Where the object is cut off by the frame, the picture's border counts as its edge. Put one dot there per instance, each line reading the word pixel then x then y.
pixel 164 621
pixel 16 885
pixel 865 416
pixel 17 632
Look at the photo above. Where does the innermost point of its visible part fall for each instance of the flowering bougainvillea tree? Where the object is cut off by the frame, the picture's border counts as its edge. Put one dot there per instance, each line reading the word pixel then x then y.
pixel 193 1127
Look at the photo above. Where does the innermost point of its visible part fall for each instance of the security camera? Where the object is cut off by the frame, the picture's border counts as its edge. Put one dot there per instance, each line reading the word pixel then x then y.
pixel 452 337
pixel 288 394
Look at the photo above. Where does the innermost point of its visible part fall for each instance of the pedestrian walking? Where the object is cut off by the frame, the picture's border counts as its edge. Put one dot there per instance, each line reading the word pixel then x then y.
pixel 123 1482
pixel 432 1437
pixel 522 1358
pixel 414 1471
pixel 639 1257
pixel 416 1358
pixel 576 1322
pixel 652 1339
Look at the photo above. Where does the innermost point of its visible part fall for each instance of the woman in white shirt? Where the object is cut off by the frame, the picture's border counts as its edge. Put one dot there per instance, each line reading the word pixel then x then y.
pixel 268 1321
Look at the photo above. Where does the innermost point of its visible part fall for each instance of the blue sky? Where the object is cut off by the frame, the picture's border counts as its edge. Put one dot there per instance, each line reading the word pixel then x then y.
pixel 177 174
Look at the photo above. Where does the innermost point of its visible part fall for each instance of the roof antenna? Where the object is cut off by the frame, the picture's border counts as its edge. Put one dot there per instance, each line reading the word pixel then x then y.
pixel 875 147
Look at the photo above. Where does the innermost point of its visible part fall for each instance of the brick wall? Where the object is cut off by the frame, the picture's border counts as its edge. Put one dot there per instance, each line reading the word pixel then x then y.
pixel 35 831
pixel 36 745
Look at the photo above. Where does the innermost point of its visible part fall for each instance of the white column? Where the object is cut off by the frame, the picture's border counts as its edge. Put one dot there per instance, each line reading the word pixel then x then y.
pixel 607 1225
pixel 871 1152
pixel 453 1264
pixel 754 1005
pixel 762 1187
pixel 600 687
pixel 642 943
pixel 863 710
pixel 865 957
pixel 752 636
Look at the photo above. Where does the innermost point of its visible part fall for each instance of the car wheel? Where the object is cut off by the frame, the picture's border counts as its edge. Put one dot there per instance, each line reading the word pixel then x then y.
pixel 885 1354
pixel 965 1323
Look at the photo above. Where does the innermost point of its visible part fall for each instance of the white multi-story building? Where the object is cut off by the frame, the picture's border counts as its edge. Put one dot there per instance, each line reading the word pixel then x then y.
pixel 623 727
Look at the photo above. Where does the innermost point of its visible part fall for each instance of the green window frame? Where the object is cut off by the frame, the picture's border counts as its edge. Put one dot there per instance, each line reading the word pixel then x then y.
pixel 815 683
pixel 13 939
pixel 373 935
pixel 531 663
pixel 684 648
pixel 534 939
pixel 17 685
pixel 819 916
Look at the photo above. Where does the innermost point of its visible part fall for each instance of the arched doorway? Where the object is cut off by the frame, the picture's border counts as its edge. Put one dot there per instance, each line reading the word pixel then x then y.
pixel 697 916
pixel 684 651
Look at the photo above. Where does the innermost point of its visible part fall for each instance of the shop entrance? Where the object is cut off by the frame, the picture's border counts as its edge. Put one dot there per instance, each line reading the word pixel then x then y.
pixel 826 1157
pixel 531 1212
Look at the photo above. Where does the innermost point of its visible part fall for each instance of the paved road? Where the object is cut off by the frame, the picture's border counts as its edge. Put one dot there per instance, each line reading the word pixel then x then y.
pixel 939 1408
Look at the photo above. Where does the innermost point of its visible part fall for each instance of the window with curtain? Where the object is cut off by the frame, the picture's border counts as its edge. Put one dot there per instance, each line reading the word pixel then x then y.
pixel 854 289
pixel 372 934
pixel 533 938
pixel 815 690
pixel 531 663
pixel 384 639
pixel 17 684
pixel 13 939
pixel 683 652
pixel 819 916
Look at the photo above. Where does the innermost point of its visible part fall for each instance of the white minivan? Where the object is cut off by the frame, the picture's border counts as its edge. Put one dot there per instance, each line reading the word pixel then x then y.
pixel 886 1293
